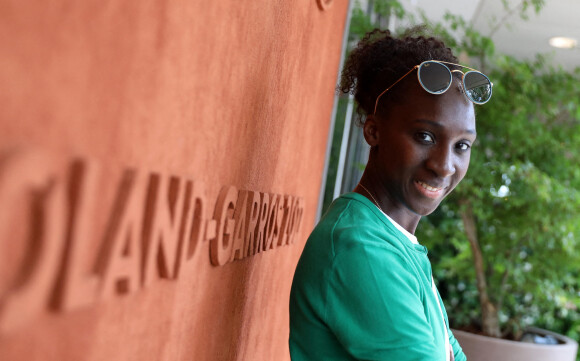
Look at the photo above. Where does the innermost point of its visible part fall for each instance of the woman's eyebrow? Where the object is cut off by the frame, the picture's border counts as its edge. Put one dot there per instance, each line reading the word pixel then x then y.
pixel 439 125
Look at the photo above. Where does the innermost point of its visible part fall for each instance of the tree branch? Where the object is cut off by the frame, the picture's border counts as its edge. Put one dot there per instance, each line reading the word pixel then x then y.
pixel 507 15
pixel 489 313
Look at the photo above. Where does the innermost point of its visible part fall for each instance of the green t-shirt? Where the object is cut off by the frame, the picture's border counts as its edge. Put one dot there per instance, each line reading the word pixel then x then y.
pixel 363 291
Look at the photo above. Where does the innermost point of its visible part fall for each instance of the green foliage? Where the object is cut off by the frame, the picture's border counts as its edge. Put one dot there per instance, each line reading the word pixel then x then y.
pixel 360 23
pixel 382 11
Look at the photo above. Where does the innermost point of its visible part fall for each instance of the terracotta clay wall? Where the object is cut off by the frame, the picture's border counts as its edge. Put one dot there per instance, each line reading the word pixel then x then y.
pixel 160 165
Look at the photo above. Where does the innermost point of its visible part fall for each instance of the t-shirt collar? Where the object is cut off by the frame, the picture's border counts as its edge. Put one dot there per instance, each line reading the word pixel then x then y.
pixel 410 236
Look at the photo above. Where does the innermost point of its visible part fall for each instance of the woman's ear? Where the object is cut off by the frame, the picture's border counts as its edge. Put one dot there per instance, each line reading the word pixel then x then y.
pixel 371 130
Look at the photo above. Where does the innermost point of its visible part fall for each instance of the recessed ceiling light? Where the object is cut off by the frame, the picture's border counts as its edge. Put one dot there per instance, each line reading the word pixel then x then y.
pixel 563 42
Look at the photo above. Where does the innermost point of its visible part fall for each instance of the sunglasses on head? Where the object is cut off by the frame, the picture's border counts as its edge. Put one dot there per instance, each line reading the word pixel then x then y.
pixel 436 78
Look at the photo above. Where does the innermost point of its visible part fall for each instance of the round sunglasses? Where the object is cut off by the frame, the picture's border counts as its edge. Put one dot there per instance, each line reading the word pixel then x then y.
pixel 436 78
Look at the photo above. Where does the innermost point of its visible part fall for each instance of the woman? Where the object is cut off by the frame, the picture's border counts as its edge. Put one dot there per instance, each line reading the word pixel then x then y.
pixel 363 288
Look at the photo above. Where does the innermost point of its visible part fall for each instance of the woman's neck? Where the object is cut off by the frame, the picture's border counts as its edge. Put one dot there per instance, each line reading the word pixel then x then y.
pixel 371 188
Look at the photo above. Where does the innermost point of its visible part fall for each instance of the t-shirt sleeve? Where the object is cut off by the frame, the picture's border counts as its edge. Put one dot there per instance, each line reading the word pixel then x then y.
pixel 374 307
pixel 457 350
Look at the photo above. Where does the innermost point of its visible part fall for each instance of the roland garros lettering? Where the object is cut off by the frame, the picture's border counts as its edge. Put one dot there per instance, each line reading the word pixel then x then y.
pixel 158 228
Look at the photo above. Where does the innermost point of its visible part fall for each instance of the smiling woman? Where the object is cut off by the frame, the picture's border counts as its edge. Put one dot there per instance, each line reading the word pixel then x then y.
pixel 363 288
pixel 420 151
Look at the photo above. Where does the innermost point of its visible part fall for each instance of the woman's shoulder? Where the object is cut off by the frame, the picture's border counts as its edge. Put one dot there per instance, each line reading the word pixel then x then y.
pixel 353 222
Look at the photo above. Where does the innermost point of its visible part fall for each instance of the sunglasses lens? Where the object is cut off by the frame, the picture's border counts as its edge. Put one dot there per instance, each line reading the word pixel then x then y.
pixel 477 87
pixel 434 77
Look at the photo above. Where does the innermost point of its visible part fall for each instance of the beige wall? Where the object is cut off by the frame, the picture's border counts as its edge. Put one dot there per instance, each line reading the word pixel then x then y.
pixel 160 164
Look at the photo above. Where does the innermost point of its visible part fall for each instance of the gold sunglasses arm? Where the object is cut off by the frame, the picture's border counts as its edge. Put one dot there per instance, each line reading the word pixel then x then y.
pixel 463 66
pixel 386 90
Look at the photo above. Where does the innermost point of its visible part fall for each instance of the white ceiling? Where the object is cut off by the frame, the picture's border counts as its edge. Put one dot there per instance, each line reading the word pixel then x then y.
pixel 520 38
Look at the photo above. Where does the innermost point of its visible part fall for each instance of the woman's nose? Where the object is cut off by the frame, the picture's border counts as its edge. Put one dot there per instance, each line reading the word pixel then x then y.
pixel 441 161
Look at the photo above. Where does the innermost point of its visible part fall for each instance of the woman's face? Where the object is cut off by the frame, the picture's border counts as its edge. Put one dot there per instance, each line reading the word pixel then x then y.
pixel 424 147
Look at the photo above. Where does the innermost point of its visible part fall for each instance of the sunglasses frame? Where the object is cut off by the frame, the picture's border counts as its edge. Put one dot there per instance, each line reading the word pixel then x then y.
pixel 471 70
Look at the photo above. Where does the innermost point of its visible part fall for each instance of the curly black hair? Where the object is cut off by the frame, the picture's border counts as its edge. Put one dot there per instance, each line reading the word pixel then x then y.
pixel 380 59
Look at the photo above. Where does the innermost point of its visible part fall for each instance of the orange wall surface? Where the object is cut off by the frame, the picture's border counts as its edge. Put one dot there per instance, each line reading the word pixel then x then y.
pixel 160 166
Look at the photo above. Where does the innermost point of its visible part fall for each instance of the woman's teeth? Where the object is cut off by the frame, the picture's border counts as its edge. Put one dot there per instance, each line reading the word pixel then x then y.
pixel 428 187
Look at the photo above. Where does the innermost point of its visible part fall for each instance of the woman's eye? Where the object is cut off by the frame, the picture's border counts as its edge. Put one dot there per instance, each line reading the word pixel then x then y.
pixel 463 146
pixel 424 137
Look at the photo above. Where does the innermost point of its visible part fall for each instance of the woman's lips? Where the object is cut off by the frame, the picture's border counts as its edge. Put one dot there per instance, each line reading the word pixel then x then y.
pixel 428 190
